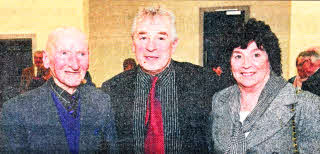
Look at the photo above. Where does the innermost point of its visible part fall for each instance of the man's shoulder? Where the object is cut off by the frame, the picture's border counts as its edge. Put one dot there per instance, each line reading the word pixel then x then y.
pixel 28 69
pixel 28 99
pixel 188 71
pixel 186 66
pixel 314 77
pixel 122 78
pixel 312 83
pixel 93 91
pixel 94 96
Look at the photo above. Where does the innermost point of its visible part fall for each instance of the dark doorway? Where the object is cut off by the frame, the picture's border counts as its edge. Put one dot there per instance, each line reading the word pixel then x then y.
pixel 16 54
pixel 215 24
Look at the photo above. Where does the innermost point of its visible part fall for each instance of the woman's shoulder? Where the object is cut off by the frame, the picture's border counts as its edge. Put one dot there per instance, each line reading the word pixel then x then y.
pixel 224 95
pixel 300 97
pixel 306 99
pixel 227 91
pixel 306 95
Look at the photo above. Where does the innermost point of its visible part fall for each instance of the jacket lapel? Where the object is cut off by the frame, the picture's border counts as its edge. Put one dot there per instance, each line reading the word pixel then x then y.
pixel 91 121
pixel 53 115
pixel 276 117
pixel 56 130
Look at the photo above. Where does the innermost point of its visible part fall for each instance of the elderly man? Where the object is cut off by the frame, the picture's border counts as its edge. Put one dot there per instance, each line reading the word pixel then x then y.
pixel 34 76
pixel 61 116
pixel 302 60
pixel 162 105
pixel 312 70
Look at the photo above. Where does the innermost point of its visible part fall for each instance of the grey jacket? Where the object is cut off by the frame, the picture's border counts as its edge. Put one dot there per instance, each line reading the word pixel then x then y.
pixel 30 123
pixel 272 133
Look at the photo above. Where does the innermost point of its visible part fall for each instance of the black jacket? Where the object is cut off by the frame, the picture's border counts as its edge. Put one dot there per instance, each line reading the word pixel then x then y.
pixel 195 87
pixel 312 84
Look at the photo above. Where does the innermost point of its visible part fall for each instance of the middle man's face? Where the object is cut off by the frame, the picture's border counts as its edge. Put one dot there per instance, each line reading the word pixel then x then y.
pixel 153 43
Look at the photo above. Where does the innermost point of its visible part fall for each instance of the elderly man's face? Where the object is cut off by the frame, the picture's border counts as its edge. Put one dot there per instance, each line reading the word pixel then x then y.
pixel 37 58
pixel 302 63
pixel 311 66
pixel 69 59
pixel 153 43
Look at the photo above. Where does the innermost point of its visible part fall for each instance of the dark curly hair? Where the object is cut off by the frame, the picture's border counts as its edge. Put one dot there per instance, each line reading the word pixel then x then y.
pixel 265 39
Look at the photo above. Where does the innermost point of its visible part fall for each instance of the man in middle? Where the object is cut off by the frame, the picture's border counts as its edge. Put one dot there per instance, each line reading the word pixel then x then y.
pixel 162 105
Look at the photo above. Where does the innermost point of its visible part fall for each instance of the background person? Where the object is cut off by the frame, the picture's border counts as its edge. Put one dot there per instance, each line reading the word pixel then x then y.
pixel 302 59
pixel 129 64
pixel 262 113
pixel 312 84
pixel 34 76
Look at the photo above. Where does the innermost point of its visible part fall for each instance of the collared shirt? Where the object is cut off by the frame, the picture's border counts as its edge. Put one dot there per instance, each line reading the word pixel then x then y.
pixel 166 93
pixel 69 101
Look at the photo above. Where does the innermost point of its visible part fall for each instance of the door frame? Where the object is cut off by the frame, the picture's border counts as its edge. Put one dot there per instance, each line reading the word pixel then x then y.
pixel 21 36
pixel 245 8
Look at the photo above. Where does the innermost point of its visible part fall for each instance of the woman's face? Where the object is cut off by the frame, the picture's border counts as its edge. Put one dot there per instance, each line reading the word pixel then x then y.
pixel 250 67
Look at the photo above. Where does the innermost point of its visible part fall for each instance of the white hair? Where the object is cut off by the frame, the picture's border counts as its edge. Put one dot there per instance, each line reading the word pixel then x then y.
pixel 153 11
pixel 62 31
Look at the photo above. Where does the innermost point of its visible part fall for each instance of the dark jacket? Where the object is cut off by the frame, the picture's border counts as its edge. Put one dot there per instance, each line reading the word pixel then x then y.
pixel 291 80
pixel 195 86
pixel 312 84
pixel 30 123
pixel 27 76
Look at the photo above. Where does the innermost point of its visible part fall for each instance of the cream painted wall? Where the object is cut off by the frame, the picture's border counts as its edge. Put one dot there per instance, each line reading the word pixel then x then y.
pixel 40 17
pixel 305 29
pixel 110 25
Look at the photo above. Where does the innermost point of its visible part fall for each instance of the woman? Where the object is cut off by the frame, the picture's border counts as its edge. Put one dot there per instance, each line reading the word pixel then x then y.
pixel 262 113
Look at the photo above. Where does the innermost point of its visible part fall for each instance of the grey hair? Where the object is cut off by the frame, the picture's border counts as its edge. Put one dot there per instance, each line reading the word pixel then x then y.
pixel 38 52
pixel 155 11
pixel 308 53
pixel 313 53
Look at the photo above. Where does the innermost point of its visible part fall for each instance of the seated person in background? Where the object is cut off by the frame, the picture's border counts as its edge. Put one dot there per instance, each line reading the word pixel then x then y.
pixel 262 113
pixel 34 76
pixel 302 59
pixel 129 64
pixel 162 105
pixel 61 116
pixel 312 70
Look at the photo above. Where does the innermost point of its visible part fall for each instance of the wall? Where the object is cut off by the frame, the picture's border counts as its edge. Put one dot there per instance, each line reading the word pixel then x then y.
pixel 305 29
pixel 40 17
pixel 110 25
